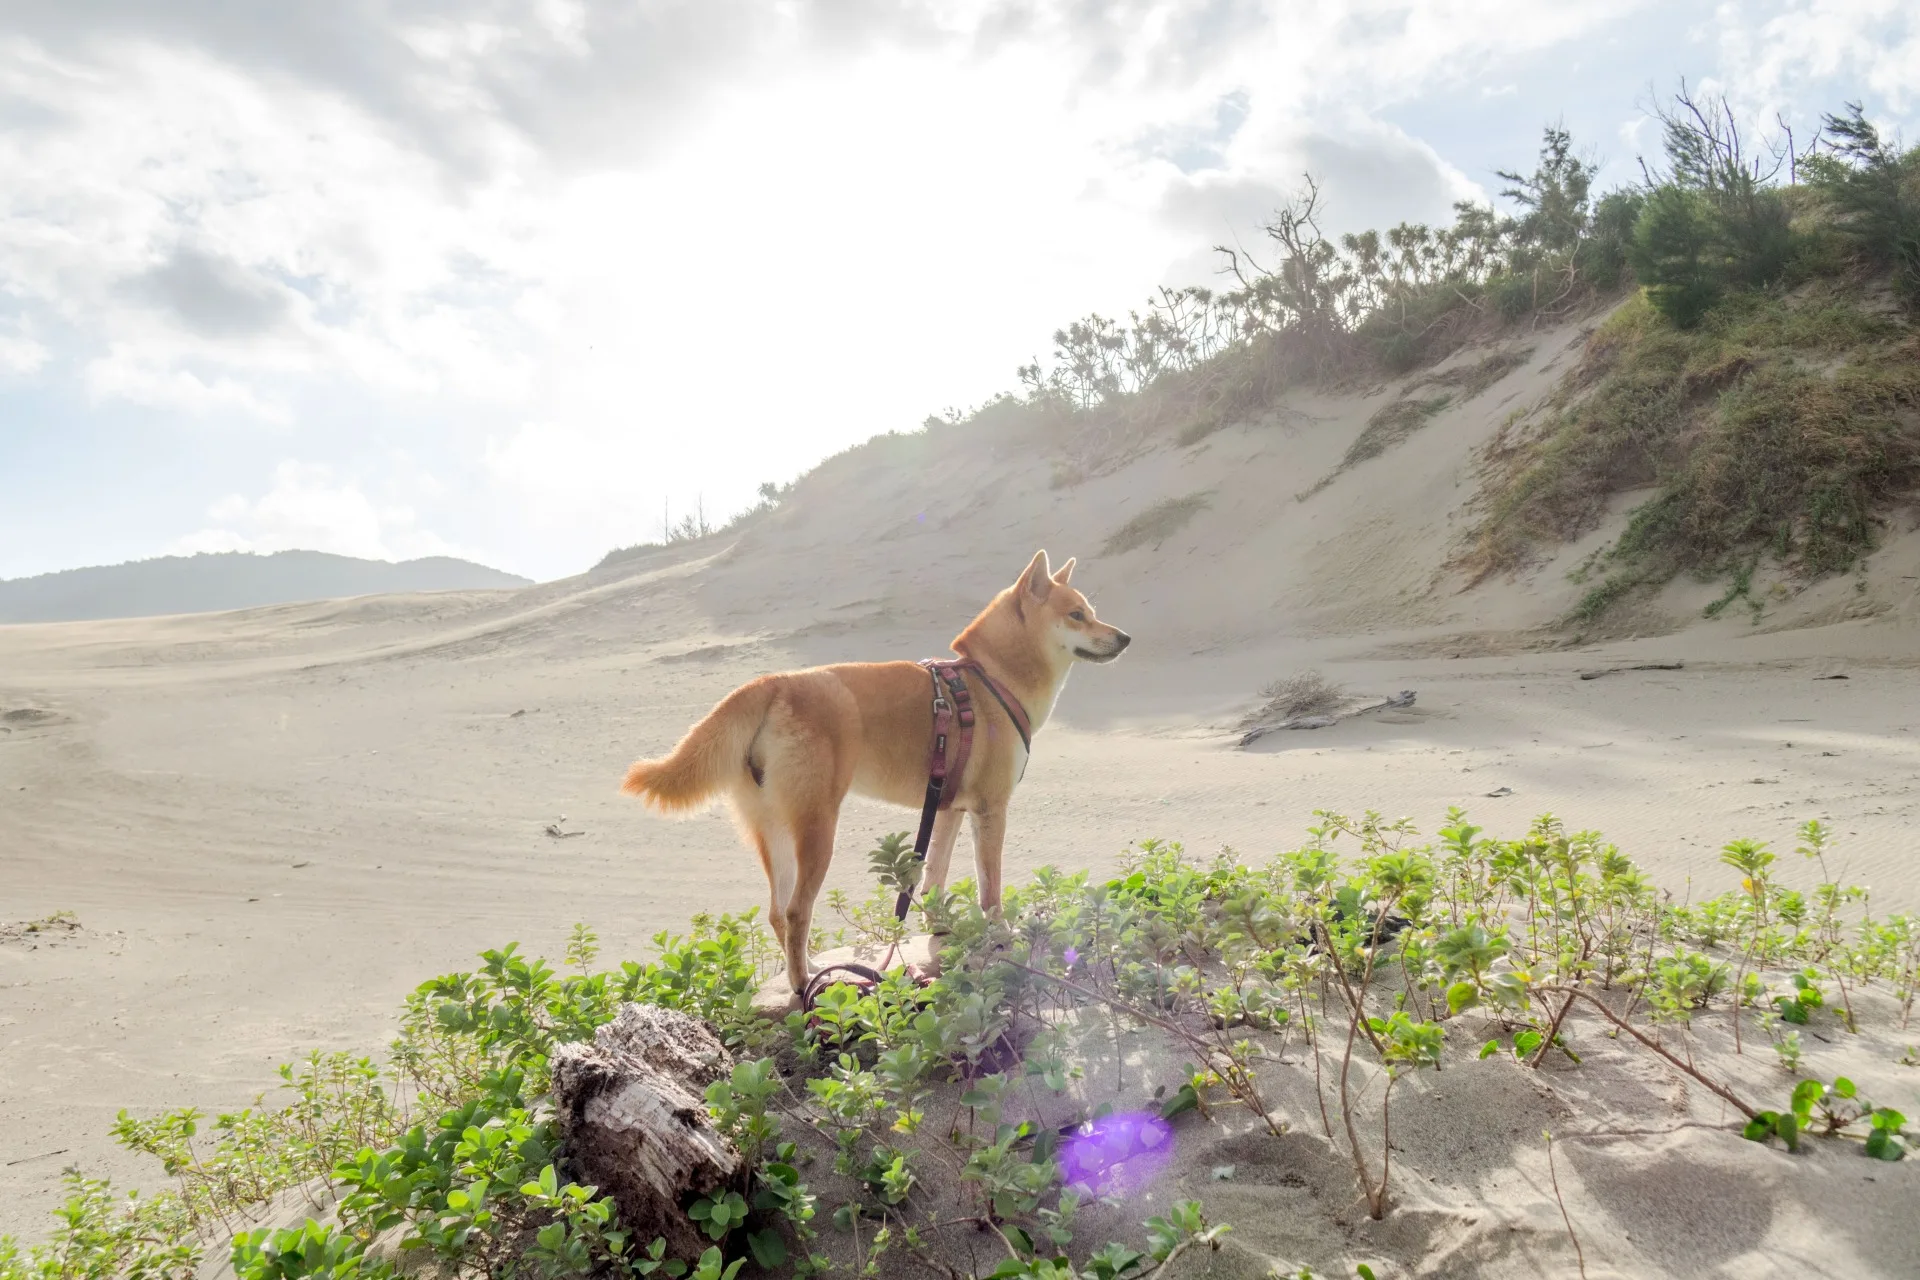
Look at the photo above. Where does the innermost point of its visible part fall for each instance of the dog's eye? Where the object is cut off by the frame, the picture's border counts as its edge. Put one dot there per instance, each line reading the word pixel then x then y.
pixel 1078 616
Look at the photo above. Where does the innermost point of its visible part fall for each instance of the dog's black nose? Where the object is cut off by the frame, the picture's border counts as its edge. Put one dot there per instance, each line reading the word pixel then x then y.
pixel 1123 638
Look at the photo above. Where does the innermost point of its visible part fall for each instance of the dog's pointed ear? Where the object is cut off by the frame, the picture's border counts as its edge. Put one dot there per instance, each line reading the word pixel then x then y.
pixel 1065 574
pixel 1037 581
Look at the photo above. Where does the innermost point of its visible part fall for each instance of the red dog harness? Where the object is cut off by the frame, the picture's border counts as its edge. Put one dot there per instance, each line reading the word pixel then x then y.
pixel 953 719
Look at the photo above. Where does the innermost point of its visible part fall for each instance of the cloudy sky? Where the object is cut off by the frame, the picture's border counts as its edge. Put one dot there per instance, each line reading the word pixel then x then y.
pixel 498 279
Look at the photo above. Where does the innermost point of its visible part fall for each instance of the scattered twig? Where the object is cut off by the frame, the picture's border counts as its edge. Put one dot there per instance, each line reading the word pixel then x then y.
pixel 1554 1174
pixel 1596 1135
pixel 1644 666
pixel 42 1156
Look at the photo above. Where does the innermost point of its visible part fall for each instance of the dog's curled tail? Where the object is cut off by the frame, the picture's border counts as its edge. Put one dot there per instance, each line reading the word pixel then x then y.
pixel 711 754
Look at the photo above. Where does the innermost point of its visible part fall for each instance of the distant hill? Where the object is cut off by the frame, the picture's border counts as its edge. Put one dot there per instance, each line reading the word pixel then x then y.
pixel 213 581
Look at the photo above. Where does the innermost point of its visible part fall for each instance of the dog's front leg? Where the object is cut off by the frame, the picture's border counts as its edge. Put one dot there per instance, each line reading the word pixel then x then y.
pixel 946 829
pixel 989 833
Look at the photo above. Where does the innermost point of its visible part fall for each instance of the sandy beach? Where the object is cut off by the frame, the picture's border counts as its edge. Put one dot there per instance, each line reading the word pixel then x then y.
pixel 272 824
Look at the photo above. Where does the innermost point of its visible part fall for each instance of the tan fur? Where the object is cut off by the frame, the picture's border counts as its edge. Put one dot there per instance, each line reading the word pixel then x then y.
pixel 814 735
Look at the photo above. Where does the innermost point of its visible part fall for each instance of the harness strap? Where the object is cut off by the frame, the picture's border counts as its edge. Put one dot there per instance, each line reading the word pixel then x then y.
pixel 954 719
pixel 1009 704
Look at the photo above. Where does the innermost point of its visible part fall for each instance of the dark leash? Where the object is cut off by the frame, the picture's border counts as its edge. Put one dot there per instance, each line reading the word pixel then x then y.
pixel 953 721
pixel 847 972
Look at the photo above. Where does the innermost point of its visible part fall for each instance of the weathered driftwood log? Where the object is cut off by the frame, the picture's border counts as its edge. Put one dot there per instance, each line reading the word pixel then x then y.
pixel 632 1110
pixel 1402 699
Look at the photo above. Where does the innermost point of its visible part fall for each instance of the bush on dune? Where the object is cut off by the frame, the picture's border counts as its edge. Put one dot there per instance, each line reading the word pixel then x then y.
pixel 1758 386
pixel 1753 261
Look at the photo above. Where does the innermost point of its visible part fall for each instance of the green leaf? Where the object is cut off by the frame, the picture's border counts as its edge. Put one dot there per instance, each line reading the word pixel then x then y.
pixel 1114 1260
pixel 1760 1128
pixel 1788 1127
pixel 1488 1049
pixel 769 1250
pixel 1883 1145
pixel 1184 1099
pixel 1462 995
pixel 1364 1271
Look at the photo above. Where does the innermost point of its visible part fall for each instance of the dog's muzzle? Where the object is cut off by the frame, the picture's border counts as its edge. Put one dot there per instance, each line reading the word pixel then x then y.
pixel 1120 642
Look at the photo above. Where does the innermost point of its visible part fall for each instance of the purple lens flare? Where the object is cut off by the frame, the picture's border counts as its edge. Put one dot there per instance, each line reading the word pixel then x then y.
pixel 1116 1155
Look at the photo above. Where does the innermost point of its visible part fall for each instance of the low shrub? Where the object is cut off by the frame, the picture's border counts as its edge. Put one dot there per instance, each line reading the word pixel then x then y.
pixel 1359 952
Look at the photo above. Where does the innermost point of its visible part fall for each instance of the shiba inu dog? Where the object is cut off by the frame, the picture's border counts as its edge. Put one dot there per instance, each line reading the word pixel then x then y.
pixel 786 749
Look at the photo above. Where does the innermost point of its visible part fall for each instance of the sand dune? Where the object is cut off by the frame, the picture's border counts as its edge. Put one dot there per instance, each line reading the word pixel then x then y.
pixel 272 823
pixel 210 582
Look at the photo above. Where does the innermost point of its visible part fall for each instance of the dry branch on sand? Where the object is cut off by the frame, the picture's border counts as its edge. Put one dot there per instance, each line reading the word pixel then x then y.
pixel 1306 694
pixel 1639 666
pixel 1307 701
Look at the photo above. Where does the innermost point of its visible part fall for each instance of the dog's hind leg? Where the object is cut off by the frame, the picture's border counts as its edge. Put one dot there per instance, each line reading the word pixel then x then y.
pixel 777 909
pixel 813 853
pixel 807 753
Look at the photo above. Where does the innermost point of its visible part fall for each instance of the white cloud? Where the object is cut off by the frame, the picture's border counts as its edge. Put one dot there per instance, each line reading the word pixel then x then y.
pixel 140 378
pixel 577 258
pixel 195 219
pixel 310 507
pixel 21 354
pixel 1876 43
pixel 837 252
